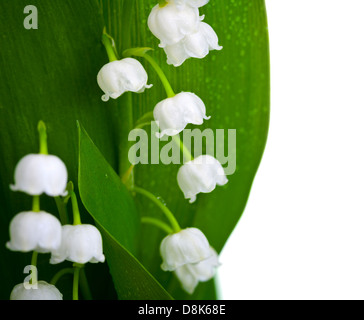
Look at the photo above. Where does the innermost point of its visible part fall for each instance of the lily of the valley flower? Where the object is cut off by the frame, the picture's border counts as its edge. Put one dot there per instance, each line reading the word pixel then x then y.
pixel 173 114
pixel 190 255
pixel 80 243
pixel 170 24
pixel 44 291
pixel 118 77
pixel 34 231
pixel 200 175
pixel 40 173
pixel 181 33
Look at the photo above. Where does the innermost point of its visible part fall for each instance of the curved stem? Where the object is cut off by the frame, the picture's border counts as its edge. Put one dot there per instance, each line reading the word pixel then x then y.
pixel 165 227
pixel 169 215
pixel 186 153
pixel 34 258
pixel 108 44
pixel 60 274
pixel 162 76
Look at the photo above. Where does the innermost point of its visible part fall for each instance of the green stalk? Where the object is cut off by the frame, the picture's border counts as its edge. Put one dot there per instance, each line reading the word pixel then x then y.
pixel 108 44
pixel 160 224
pixel 42 129
pixel 169 215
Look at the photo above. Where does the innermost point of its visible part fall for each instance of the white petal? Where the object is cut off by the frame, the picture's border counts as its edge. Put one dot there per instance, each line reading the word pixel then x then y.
pixel 80 244
pixel 176 54
pixel 200 175
pixel 170 24
pixel 38 173
pixel 44 291
pixel 199 44
pixel 187 246
pixel 35 231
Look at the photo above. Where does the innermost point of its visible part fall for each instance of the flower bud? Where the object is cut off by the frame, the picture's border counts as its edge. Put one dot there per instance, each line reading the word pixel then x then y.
pixel 80 243
pixel 43 291
pixel 39 173
pixel 200 175
pixel 118 77
pixel 34 231
pixel 173 114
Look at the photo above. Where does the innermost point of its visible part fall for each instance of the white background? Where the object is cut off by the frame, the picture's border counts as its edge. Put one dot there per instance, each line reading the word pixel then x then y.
pixel 302 233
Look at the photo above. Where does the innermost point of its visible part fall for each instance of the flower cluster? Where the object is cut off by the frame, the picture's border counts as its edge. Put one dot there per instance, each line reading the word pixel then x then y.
pixel 182 34
pixel 42 232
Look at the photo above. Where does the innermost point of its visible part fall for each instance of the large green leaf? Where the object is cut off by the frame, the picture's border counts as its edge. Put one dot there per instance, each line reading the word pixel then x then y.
pixel 234 84
pixel 50 74
pixel 110 204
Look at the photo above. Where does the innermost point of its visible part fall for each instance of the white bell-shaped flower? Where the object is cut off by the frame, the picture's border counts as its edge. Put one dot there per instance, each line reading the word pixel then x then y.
pixel 43 291
pixel 195 45
pixel 184 247
pixel 173 114
pixel 34 231
pixel 39 173
pixel 191 274
pixel 200 175
pixel 81 244
pixel 118 77
pixel 171 23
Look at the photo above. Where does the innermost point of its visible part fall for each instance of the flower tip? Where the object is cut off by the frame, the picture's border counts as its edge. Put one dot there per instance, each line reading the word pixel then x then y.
pixel 105 98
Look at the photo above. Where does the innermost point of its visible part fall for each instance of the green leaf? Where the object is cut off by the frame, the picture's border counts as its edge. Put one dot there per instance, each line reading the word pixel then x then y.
pixel 110 204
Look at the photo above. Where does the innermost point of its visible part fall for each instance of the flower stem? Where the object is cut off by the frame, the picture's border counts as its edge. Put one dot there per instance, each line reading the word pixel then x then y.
pixel 60 274
pixel 76 211
pixel 34 258
pixel 36 204
pixel 110 48
pixel 186 153
pixel 76 278
pixel 142 52
pixel 42 129
pixel 158 224
pixel 169 215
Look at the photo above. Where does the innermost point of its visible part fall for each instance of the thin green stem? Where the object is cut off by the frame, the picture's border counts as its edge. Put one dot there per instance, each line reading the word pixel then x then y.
pixel 162 76
pixel 60 274
pixel 169 215
pixel 158 224
pixel 110 49
pixel 42 130
pixel 36 204
pixel 76 211
pixel 34 258
pixel 186 153
pixel 142 52
pixel 76 278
